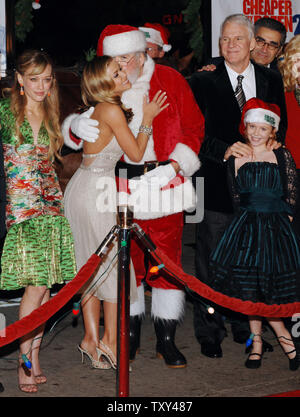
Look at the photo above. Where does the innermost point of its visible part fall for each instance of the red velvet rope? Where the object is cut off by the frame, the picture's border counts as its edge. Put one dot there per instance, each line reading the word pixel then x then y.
pixel 47 310
pixel 39 316
pixel 245 307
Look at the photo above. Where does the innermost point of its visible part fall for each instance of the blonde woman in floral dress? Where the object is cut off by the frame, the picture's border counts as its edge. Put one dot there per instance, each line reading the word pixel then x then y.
pixel 38 250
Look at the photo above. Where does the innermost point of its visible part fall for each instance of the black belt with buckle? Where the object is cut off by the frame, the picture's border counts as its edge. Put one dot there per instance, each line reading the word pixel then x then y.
pixel 133 171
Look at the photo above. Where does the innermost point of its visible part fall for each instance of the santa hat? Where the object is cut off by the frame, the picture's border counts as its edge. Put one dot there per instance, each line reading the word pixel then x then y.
pixel 157 34
pixel 258 111
pixel 120 40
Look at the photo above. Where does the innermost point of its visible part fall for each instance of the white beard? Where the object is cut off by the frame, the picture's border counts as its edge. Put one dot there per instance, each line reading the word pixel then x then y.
pixel 133 99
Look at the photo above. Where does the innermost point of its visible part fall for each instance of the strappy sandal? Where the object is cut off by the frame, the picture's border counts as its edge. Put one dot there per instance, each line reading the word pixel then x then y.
pixel 27 388
pixel 295 362
pixel 107 352
pixel 255 363
pixel 96 363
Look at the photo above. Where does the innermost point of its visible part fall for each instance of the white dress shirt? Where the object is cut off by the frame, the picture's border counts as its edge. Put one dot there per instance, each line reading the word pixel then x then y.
pixel 248 83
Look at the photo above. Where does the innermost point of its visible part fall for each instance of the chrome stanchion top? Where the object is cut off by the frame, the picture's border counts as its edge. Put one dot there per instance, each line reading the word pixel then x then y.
pixel 125 216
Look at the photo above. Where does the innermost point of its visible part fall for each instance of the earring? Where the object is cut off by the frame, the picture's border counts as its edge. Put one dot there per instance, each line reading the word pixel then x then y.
pixel 21 90
pixel 49 94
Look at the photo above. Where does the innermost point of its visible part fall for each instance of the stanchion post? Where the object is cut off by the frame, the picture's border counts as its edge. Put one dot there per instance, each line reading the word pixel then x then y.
pixel 125 216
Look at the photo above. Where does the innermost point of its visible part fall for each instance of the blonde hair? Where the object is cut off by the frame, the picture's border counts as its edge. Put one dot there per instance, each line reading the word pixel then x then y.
pixel 97 86
pixel 286 63
pixel 35 62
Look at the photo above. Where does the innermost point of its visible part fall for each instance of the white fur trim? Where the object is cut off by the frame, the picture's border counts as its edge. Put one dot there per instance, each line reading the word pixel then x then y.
pixel 167 48
pixel 187 159
pixel 124 43
pixel 150 203
pixel 133 99
pixel 35 5
pixel 138 307
pixel 262 116
pixel 65 127
pixel 167 304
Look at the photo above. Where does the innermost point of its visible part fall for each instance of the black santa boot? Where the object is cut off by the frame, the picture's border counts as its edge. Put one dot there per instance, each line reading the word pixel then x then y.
pixel 134 336
pixel 165 347
pixel 137 313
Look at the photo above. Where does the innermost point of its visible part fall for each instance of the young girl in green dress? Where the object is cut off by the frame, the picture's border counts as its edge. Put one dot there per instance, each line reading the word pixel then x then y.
pixel 38 250
pixel 257 258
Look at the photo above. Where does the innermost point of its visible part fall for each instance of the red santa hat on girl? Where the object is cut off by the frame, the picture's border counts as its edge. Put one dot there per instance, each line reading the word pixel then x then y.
pixel 258 111
pixel 117 40
pixel 158 34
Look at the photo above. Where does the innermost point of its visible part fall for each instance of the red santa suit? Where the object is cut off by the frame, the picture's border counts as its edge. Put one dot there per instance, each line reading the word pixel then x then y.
pixel 177 134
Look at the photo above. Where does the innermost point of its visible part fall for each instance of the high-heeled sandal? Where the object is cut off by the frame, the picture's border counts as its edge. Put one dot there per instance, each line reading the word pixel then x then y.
pixel 255 363
pixel 25 387
pixel 107 352
pixel 295 362
pixel 96 363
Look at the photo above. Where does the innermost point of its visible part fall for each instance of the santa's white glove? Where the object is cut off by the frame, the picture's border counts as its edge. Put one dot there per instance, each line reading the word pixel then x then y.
pixel 154 179
pixel 84 127
pixel 161 175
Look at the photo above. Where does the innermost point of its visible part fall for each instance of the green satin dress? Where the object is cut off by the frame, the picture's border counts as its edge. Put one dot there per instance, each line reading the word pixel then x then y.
pixel 258 257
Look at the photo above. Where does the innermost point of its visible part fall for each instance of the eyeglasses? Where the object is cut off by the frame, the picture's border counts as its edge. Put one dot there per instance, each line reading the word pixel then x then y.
pixel 151 48
pixel 271 45
pixel 124 60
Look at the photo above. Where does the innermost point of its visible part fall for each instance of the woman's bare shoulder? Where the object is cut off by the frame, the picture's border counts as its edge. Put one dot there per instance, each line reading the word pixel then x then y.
pixel 106 110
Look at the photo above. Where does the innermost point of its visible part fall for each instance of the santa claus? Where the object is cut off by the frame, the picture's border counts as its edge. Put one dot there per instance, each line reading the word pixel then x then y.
pixel 159 187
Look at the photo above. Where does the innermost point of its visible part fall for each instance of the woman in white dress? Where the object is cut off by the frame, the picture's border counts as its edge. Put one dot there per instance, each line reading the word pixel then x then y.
pixel 90 197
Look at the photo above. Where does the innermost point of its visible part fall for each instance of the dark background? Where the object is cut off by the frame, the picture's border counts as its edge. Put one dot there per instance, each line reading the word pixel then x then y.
pixel 66 29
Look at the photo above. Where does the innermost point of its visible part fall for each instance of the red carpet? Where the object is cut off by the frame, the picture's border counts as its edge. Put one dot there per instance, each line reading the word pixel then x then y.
pixel 287 394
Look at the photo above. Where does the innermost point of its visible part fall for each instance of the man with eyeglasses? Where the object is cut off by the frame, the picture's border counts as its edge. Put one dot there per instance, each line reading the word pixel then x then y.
pixel 157 39
pixel 171 157
pixel 270 36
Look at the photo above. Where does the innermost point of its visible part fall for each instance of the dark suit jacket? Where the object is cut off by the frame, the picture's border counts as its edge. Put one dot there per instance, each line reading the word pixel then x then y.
pixel 215 97
pixel 218 59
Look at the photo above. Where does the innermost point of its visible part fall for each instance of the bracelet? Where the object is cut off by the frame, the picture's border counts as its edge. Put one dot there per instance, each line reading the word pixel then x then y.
pixel 145 129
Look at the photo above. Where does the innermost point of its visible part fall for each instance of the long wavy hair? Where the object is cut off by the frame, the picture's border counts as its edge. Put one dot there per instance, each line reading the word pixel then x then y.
pixel 286 63
pixel 97 86
pixel 34 62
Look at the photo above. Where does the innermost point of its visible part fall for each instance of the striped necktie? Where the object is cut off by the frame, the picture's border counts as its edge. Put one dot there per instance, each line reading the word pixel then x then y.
pixel 239 92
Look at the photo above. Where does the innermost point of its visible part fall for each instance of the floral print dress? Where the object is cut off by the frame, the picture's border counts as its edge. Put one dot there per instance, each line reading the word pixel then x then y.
pixel 38 248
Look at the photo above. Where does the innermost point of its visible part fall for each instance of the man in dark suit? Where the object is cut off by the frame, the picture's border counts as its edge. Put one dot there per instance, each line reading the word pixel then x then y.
pixel 270 36
pixel 215 94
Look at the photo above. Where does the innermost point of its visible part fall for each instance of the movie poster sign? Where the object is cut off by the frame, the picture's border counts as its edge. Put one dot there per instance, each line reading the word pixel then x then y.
pixel 286 11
